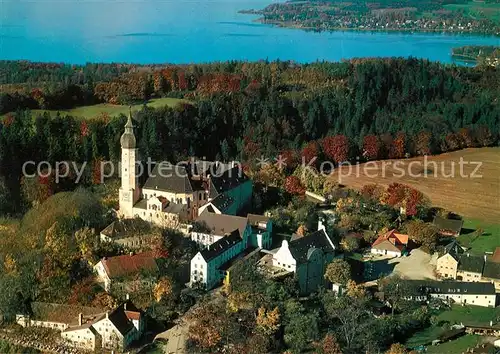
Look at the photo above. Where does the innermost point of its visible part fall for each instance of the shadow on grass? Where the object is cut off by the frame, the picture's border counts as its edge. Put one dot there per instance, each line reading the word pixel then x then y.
pixel 466 231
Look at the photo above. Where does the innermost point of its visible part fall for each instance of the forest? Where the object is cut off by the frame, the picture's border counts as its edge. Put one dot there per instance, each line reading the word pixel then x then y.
pixel 477 53
pixel 360 109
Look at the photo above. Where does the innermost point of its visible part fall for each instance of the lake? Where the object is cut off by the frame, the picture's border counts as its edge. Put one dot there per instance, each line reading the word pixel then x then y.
pixel 190 31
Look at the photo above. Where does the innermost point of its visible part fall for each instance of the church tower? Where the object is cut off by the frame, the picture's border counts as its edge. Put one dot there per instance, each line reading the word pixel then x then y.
pixel 129 190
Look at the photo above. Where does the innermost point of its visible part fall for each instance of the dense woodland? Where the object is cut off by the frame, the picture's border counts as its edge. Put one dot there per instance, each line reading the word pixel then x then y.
pixel 370 108
pixel 484 55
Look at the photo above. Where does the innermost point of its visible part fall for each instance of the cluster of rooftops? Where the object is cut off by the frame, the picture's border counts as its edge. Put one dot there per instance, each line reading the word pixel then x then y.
pixel 488 266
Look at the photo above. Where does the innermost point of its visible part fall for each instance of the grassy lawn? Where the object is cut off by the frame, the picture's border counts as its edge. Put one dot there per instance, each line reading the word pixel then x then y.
pixel 424 337
pixel 459 345
pixel 475 315
pixel 478 9
pixel 485 243
pixel 90 112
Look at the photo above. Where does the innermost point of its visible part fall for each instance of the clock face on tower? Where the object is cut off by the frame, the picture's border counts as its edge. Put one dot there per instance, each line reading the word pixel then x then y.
pixel 126 196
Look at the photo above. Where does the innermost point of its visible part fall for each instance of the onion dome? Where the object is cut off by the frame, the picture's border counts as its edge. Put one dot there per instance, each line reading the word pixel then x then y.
pixel 127 140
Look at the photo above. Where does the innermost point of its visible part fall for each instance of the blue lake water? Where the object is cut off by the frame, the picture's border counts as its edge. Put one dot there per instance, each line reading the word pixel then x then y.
pixel 189 31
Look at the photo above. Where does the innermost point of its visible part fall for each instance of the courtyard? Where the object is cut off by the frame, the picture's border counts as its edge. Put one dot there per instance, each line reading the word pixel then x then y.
pixel 417 265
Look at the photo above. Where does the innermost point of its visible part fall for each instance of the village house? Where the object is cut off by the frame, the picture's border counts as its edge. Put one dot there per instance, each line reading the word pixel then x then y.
pixel 127 273
pixel 391 244
pixel 229 192
pixel 88 328
pixel 172 195
pixel 225 238
pixel 55 316
pixel 456 264
pixel 491 273
pixel 111 330
pixel 305 256
pixel 448 227
pixel 262 231
pixel 470 267
pixel 447 263
pixel 128 233
pixel 465 293
pixel 206 265
pixel 210 227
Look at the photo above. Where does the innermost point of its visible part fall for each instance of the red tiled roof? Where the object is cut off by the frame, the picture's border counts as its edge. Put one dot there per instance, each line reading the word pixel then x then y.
pixel 133 315
pixel 129 264
pixel 392 236
pixel 389 246
pixel 496 255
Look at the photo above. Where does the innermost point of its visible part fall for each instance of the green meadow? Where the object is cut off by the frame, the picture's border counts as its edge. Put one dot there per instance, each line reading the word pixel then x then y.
pixel 93 111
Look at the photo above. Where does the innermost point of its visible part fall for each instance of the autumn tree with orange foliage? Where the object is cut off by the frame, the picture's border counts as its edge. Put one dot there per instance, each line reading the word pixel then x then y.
pixel 398 147
pixel 268 321
pixel 309 153
pixel 402 196
pixel 397 348
pixel 294 186
pixel 373 192
pixel 336 148
pixel 163 288
pixel 356 291
pixel 290 158
pixel 423 143
pixel 371 147
pixel 301 230
pixel 209 325
pixel 328 345
pixel 37 189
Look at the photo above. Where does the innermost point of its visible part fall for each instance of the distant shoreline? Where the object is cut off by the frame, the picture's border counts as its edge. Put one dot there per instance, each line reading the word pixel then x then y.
pixel 282 24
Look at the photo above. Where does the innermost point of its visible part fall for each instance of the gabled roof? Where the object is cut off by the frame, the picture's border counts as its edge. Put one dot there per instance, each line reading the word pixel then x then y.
pixel 219 247
pixel 61 313
pixel 397 239
pixel 174 208
pixel 471 263
pixel 450 225
pixel 496 255
pixel 120 320
pixel 454 250
pixel 126 228
pixel 221 224
pixel 227 180
pixel 85 326
pixel 491 270
pixel 257 220
pixel 387 245
pixel 121 317
pixel 127 265
pixel 203 168
pixel 300 247
pixel 455 247
pixel 171 178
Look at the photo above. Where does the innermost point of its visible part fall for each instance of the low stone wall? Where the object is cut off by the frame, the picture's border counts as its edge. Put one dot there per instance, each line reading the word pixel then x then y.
pixel 38 341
